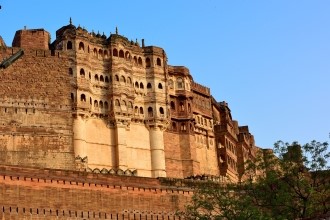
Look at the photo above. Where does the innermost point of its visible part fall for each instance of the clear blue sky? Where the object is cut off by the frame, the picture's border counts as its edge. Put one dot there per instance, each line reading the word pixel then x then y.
pixel 270 60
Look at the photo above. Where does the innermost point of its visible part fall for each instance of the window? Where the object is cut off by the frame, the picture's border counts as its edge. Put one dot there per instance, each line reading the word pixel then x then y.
pixel 170 84
pixel 141 110
pixel 83 98
pixel 136 110
pixel 117 103
pixel 70 71
pixel 106 79
pixel 172 105
pixel 161 110
pixel 106 105
pixel 136 85
pixel 150 112
pixel 141 86
pixel 129 81
pixel 140 61
pixel 173 126
pixel 121 53
pixel 101 78
pixel 101 53
pixel 130 105
pixel 127 55
pixel 96 77
pixel 148 63
pixel 116 78
pixel 96 104
pixel 81 46
pixel 72 97
pixel 122 79
pixel 159 62
pixel 160 86
pixel 69 45
pixel 181 106
pixel 180 83
pixel 149 86
pixel 115 52
pixel 101 104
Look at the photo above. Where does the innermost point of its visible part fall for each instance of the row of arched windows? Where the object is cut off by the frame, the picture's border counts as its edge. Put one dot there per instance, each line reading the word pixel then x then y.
pixel 181 106
pixel 139 110
pixel 182 126
pixel 179 83
pixel 230 146
pixel 104 54
pixel 123 103
pixel 232 162
pixel 96 103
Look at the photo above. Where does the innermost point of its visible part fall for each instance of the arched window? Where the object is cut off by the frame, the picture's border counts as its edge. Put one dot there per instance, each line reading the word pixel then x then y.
pixel 96 77
pixel 72 97
pixel 105 54
pixel 83 98
pixel 136 85
pixel 141 85
pixel 81 46
pixel 101 53
pixel 170 84
pixel 101 78
pixel 181 106
pixel 122 79
pixel 121 53
pixel 161 110
pixel 96 104
pixel 127 55
pixel 115 52
pixel 140 61
pixel 159 62
pixel 149 86
pixel 90 101
pixel 88 49
pixel 82 72
pixel 106 105
pixel 183 127
pixel 173 126
pixel 189 108
pixel 150 112
pixel 69 45
pixel 70 71
pixel 160 86
pixel 136 110
pixel 129 81
pixel 172 105
pixel 101 104
pixel 116 78
pixel 141 110
pixel 106 79
pixel 130 105
pixel 180 83
pixel 124 103
pixel 95 52
pixel 135 60
pixel 117 103
pixel 148 62
pixel 89 75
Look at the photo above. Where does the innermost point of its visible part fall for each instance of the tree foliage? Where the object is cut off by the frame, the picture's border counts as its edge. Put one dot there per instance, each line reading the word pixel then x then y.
pixel 294 184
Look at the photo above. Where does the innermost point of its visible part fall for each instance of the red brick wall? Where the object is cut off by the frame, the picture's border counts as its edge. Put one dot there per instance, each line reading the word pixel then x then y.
pixel 59 193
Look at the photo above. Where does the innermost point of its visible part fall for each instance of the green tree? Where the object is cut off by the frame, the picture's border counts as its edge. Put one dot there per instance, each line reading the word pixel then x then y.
pixel 290 184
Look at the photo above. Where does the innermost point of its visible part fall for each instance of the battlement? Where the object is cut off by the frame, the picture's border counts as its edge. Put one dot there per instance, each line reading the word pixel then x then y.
pixel 32 39
pixel 200 88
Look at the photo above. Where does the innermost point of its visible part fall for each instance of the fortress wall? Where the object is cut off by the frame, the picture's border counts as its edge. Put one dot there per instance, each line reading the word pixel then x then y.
pixel 35 110
pixel 33 192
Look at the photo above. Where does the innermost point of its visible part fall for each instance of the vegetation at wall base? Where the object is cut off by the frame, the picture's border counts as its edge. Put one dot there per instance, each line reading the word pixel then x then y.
pixel 294 184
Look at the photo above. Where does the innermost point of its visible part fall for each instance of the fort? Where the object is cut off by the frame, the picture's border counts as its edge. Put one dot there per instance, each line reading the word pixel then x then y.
pixel 97 127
